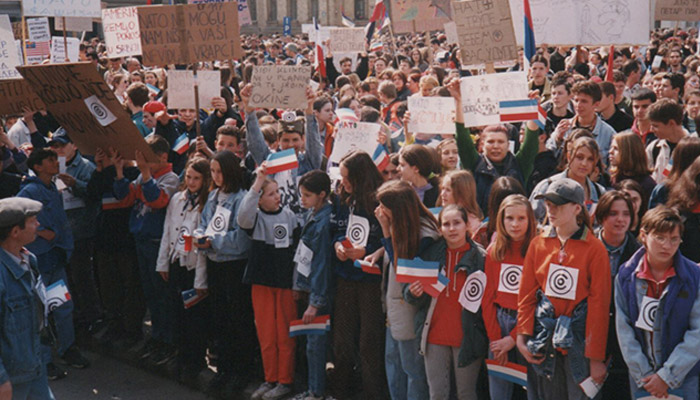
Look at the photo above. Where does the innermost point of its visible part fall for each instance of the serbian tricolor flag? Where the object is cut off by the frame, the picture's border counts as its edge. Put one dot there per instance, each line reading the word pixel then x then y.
pixel 182 144
pixel 518 110
pixel 380 158
pixel 667 170
pixel 190 298
pixel 611 60
pixel 346 20
pixel 510 372
pixel 346 243
pixel 379 11
pixel 319 58
pixel 529 49
pixel 152 89
pixel 409 271
pixel 345 114
pixel 541 120
pixel 368 267
pixel 282 161
pixel 319 326
pixel 376 46
pixel 435 289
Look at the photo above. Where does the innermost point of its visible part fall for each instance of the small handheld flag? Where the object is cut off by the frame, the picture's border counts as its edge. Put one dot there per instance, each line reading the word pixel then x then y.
pixel 346 243
pixel 346 114
pixel 190 298
pixel 380 158
pixel 518 110
pixel 376 46
pixel 510 372
pixel 319 326
pixel 368 268
pixel 667 170
pixel 541 120
pixel 409 271
pixel 182 144
pixel 282 161
pixel 435 289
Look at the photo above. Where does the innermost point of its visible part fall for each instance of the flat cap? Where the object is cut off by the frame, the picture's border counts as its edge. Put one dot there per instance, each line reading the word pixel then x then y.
pixel 14 210
pixel 563 191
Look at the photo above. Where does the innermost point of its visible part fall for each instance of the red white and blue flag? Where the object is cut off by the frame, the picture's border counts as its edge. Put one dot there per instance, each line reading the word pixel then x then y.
pixel 409 271
pixel 376 46
pixel 346 243
pixel 190 298
pixel 38 49
pixel 319 58
pixel 510 372
pixel 435 289
pixel 541 120
pixel 379 17
pixel 368 267
pixel 346 20
pixel 667 170
pixel 319 326
pixel 518 110
pixel 182 144
pixel 282 161
pixel 380 158
pixel 529 49
pixel 345 114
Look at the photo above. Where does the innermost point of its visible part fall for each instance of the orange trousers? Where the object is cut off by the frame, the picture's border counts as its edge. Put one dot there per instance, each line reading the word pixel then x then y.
pixel 274 309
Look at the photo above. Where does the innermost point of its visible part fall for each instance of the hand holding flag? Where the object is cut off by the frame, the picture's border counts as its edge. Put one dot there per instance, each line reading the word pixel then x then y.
pixel 282 161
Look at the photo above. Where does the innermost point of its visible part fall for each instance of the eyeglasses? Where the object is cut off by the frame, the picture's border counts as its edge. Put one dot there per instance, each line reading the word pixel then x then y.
pixel 663 240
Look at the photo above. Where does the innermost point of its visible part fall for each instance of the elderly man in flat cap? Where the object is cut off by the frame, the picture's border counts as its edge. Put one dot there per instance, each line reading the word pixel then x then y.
pixel 22 304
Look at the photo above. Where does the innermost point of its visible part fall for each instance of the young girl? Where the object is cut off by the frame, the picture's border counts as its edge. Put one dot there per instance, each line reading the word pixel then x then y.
pixel 274 231
pixel 184 269
pixel 416 165
pixel 409 228
pixel 515 228
pixel 459 187
pixel 449 157
pixel 453 340
pixel 358 316
pixel 628 160
pixel 226 246
pixel 565 283
pixel 315 276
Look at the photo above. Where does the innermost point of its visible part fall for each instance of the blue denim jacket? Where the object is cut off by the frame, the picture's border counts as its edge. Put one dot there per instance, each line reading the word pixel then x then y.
pixel 563 333
pixel 83 220
pixel 316 235
pixel 234 244
pixel 20 346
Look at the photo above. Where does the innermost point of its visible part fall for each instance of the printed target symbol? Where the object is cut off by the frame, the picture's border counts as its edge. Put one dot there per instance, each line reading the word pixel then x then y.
pixel 98 110
pixel 53 303
pixel 510 278
pixel 649 312
pixel 561 282
pixel 357 233
pixel 183 231
pixel 280 232
pixel 218 223
pixel 497 35
pixel 474 290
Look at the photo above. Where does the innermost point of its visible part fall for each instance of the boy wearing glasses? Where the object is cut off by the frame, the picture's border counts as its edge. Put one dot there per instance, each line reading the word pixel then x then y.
pixel 658 311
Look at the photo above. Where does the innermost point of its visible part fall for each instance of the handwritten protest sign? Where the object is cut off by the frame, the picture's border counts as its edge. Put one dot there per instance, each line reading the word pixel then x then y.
pixel 347 40
pixel 431 114
pixel 482 94
pixel 122 34
pixel 38 30
pixel 351 136
pixel 9 58
pixel 419 15
pixel 74 24
pixel 677 10
pixel 80 100
pixel 280 86
pixel 62 8
pixel 243 10
pixel 208 87
pixel 485 31
pixel 15 94
pixel 58 50
pixel 189 33
pixel 451 32
pixel 180 89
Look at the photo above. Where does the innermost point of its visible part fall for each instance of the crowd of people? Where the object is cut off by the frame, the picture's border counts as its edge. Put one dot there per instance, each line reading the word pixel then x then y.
pixel 584 232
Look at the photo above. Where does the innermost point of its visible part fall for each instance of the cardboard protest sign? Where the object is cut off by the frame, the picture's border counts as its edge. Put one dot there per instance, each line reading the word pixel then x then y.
pixel 38 30
pixel 15 94
pixel 482 94
pixel 122 34
pixel 585 22
pixel 183 34
pixel 280 86
pixel 347 40
pixel 431 114
pixel 351 136
pixel 9 57
pixel 62 8
pixel 208 87
pixel 675 10
pixel 58 50
pixel 74 24
pixel 180 89
pixel 80 100
pixel 419 15
pixel 243 10
pixel 485 31
pixel 451 32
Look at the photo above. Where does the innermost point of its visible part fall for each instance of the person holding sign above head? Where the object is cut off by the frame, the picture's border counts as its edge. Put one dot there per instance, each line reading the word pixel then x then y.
pixel 657 306
pixel 452 334
pixel 564 300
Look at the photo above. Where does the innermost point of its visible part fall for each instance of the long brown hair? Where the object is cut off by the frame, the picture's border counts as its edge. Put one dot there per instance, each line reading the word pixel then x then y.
pixel 365 179
pixel 687 151
pixel 409 216
pixel 501 188
pixel 633 157
pixel 685 193
pixel 463 188
pixel 200 165
pixel 502 242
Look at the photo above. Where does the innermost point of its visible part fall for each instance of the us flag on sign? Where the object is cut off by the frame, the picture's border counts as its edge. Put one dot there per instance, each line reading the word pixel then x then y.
pixel 38 49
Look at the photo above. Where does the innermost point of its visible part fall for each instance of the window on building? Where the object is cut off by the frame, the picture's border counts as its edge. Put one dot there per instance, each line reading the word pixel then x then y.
pixel 360 9
pixel 253 8
pixel 272 10
pixel 292 9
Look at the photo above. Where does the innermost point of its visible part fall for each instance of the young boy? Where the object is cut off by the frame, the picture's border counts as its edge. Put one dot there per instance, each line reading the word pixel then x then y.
pixel 150 194
pixel 611 114
pixel 666 118
pixel 559 106
pixel 53 247
pixel 657 307
pixel 22 372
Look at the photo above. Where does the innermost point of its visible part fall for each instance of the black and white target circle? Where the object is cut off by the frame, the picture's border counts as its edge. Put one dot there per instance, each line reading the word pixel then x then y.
pixel 53 303
pixel 561 282
pixel 183 231
pixel 280 232
pixel 99 110
pixel 510 277
pixel 218 223
pixel 357 232
pixel 649 312
pixel 474 290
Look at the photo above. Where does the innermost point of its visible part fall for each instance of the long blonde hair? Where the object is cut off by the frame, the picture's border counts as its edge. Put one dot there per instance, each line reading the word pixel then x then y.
pixel 464 191
pixel 502 242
